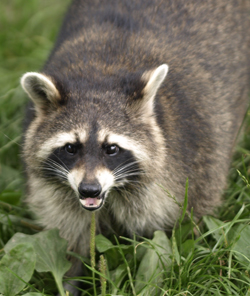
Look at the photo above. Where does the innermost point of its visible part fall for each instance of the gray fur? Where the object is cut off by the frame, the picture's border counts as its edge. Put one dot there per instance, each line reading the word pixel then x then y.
pixel 182 126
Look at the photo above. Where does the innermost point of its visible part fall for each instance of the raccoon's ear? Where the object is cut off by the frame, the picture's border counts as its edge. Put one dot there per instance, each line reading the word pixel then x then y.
pixel 144 105
pixel 41 90
pixel 154 80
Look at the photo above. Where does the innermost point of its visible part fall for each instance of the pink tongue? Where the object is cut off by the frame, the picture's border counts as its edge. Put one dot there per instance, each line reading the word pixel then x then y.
pixel 90 201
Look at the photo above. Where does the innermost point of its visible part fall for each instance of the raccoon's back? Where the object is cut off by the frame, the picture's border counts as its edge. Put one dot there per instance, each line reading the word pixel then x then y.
pixel 138 34
pixel 205 44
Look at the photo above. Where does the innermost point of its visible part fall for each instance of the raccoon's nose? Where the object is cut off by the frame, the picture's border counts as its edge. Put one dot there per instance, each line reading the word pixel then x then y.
pixel 89 190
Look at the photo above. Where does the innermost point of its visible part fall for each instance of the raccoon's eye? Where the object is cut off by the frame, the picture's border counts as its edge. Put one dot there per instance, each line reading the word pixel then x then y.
pixel 71 149
pixel 111 149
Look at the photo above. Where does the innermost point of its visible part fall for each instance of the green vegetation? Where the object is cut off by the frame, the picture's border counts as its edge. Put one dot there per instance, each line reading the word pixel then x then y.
pixel 208 257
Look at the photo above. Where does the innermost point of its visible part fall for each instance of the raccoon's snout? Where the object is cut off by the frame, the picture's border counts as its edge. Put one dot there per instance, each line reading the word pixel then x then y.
pixel 89 190
pixel 90 195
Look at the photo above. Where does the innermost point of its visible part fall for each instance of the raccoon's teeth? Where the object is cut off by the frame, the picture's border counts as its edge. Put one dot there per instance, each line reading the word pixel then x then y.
pixel 90 202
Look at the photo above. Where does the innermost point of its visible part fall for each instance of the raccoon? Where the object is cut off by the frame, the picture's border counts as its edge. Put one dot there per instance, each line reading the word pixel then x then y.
pixel 136 97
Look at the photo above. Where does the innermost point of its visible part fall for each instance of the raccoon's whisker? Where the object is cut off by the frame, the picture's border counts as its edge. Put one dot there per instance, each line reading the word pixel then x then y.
pixel 57 172
pixel 125 179
pixel 126 161
pixel 56 168
pixel 122 176
pixel 126 164
pixel 59 166
pixel 134 182
pixel 129 171
pixel 120 167
pixel 63 165
pixel 125 172
pixel 119 182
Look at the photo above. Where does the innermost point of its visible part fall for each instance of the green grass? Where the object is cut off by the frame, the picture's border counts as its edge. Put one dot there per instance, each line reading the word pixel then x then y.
pixel 211 258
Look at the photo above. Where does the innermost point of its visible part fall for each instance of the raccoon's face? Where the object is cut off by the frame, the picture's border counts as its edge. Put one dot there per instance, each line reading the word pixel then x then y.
pixel 93 142
pixel 91 164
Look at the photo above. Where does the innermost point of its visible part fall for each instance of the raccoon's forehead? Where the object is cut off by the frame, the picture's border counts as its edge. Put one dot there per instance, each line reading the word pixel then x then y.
pixel 95 107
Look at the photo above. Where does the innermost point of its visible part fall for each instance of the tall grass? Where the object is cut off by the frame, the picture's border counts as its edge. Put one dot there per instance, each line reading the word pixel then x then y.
pixel 27 33
pixel 210 258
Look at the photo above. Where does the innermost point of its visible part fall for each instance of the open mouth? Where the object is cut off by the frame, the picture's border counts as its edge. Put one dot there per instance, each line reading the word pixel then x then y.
pixel 92 203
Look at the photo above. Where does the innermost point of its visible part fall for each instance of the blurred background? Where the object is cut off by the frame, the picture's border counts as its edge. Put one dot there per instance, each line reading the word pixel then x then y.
pixel 27 33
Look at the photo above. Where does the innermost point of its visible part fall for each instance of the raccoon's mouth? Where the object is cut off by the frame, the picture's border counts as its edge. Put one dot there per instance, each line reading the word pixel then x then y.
pixel 92 203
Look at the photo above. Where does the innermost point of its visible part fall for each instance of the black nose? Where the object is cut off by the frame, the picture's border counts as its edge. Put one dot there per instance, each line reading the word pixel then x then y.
pixel 89 189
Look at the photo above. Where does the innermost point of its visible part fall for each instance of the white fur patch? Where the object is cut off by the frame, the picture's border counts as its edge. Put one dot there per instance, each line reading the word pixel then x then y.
pixel 124 142
pixel 129 144
pixel 75 177
pixel 59 140
pixel 102 135
pixel 105 178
